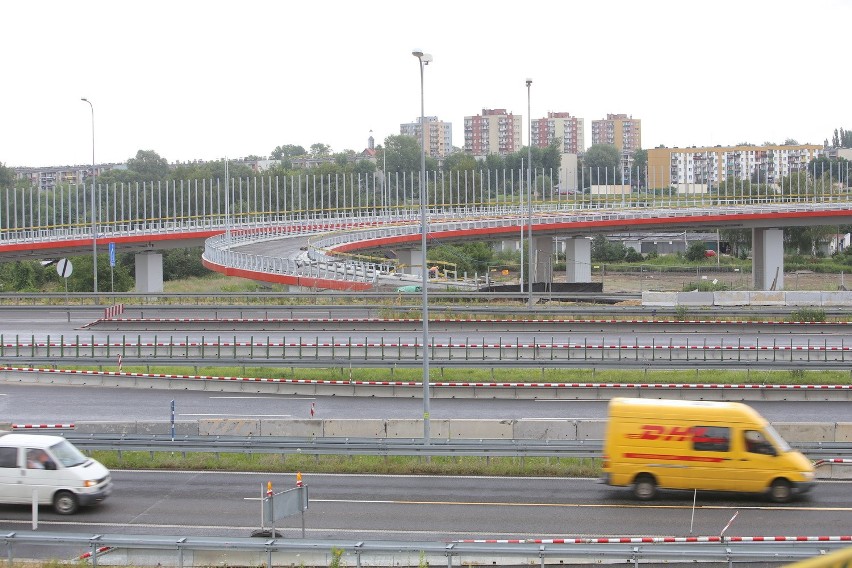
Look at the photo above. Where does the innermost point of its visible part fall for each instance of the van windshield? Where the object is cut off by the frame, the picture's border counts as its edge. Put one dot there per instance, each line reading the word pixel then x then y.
pixel 67 454
pixel 776 439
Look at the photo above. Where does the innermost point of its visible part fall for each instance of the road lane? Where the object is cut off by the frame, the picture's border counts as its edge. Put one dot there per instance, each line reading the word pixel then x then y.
pixel 55 404
pixel 437 508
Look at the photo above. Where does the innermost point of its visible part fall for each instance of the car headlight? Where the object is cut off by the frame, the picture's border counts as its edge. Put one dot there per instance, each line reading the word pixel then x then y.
pixel 90 483
pixel 809 475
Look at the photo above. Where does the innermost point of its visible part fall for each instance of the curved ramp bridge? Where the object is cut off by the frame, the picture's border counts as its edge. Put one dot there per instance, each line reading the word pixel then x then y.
pixel 358 232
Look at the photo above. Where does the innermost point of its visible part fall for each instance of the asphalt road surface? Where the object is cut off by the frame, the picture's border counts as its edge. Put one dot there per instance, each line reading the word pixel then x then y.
pixel 39 404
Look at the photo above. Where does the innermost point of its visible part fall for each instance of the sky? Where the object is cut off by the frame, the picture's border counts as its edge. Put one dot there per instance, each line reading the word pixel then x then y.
pixel 204 80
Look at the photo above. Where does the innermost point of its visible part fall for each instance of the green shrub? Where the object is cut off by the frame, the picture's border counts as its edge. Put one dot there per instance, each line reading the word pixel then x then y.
pixel 807 314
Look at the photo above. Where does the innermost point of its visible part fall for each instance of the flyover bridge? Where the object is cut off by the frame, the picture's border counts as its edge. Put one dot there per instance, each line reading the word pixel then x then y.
pixel 315 231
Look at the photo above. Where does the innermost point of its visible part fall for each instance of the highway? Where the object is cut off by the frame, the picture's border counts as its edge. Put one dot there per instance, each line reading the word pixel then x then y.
pixel 412 508
pixel 52 404
pixel 435 508
pixel 147 324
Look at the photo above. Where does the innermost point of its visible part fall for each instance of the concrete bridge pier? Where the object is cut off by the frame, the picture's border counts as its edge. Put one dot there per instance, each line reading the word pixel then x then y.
pixel 149 272
pixel 412 261
pixel 509 245
pixel 578 259
pixel 542 259
pixel 767 253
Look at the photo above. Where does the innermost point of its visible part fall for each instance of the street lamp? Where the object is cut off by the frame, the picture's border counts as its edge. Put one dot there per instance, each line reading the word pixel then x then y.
pixel 423 60
pixel 94 218
pixel 529 193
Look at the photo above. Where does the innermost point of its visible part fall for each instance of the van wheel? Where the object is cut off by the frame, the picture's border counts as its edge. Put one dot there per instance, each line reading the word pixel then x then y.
pixel 780 491
pixel 65 503
pixel 645 487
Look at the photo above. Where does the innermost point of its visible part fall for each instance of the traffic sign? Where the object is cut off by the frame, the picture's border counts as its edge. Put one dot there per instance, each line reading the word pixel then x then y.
pixel 64 268
pixel 112 254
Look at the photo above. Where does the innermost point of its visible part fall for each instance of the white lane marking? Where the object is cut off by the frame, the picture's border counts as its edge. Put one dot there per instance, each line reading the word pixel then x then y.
pixel 243 415
pixel 263 397
pixel 307 530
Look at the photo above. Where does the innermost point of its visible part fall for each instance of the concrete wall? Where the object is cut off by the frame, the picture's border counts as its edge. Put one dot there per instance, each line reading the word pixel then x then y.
pixel 753 298
pixel 461 429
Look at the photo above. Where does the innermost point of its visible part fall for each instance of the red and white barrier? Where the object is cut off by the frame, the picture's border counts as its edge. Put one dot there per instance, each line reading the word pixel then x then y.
pixel 43 426
pixel 832 461
pixel 113 311
pixel 98 552
pixel 447 384
pixel 660 539
pixel 496 321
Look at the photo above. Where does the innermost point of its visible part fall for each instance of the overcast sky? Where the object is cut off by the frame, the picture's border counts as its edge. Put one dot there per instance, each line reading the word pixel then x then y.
pixel 209 79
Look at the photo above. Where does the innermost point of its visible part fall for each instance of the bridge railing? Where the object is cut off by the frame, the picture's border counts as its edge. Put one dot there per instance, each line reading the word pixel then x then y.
pixel 63 211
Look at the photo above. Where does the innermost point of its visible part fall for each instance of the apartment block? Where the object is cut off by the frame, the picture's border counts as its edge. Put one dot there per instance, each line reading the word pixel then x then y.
pixel 708 166
pixel 559 125
pixel 619 130
pixel 48 178
pixel 439 135
pixel 495 131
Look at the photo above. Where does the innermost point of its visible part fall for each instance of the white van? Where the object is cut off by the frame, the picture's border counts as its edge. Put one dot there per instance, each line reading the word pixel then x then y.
pixel 52 467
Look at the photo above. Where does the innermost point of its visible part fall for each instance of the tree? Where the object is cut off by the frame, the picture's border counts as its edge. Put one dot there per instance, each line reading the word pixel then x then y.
pixel 791 142
pixel 179 264
pixel 320 150
pixel 473 257
pixel 806 240
pixel 402 153
pixel 696 252
pixel 601 164
pixel 287 152
pixel 605 251
pixel 640 167
pixel 827 170
pixel 149 165
pixel 738 239
pixel 7 176
pixel 212 170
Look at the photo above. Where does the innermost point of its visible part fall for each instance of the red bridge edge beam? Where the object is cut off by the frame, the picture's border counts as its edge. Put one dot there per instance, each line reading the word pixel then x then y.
pixel 302 281
pixel 647 223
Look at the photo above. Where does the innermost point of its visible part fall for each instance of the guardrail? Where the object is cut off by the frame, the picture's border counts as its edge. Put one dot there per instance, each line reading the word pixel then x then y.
pixel 827 452
pixel 248 551
pixel 310 352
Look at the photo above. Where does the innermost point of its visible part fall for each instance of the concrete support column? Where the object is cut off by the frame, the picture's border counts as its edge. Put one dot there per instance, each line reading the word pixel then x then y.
pixel 543 259
pixel 412 259
pixel 578 260
pixel 767 254
pixel 509 245
pixel 149 272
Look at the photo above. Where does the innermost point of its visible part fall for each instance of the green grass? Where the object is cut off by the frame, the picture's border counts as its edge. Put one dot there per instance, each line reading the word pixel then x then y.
pixel 522 375
pixel 389 465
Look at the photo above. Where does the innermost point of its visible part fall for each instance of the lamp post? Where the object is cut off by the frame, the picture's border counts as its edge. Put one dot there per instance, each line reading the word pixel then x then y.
pixel 529 194
pixel 423 60
pixel 94 218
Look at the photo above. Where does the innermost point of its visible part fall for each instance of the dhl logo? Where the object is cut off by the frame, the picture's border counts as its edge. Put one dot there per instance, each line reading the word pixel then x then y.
pixel 696 434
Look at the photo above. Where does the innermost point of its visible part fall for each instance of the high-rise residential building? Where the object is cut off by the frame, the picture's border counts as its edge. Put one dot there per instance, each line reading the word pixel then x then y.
pixel 439 135
pixel 559 125
pixel 709 166
pixel 495 131
pixel 623 132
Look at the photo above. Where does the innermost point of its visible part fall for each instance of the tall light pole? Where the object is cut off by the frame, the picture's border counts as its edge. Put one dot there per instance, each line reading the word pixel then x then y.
pixel 94 218
pixel 529 194
pixel 423 60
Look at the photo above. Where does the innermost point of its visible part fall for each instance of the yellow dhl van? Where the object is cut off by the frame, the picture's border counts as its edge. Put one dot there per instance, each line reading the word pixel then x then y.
pixel 716 446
